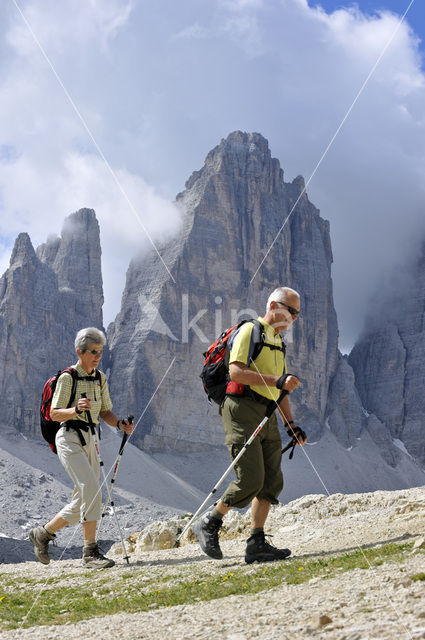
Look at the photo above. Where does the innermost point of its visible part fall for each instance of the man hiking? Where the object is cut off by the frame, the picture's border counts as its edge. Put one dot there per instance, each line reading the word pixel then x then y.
pixel 76 449
pixel 253 385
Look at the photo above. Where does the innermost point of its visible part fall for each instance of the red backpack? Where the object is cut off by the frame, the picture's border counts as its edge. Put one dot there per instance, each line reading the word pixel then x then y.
pixel 215 372
pixel 49 427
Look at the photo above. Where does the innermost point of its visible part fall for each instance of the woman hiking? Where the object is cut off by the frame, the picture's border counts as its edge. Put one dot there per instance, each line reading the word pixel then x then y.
pixel 76 448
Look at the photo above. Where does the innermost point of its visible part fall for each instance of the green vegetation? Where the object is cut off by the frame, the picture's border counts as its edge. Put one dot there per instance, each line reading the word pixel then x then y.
pixel 29 602
pixel 418 576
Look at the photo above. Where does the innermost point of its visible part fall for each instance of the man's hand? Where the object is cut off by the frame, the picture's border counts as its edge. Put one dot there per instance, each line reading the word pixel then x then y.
pixel 126 426
pixel 291 383
pixel 288 381
pixel 298 435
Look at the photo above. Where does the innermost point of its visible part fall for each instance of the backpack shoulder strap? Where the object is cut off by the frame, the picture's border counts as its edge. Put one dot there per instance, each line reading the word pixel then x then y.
pixel 260 341
pixel 75 377
pixel 259 338
pixel 229 342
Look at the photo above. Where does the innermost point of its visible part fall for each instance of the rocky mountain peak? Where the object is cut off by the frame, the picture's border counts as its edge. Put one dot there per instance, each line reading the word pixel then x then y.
pixel 240 149
pixel 233 209
pixel 237 157
pixel 45 298
pixel 75 257
pixel 23 251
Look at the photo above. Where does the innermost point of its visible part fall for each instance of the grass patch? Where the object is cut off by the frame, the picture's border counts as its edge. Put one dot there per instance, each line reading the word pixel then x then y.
pixel 418 576
pixel 100 593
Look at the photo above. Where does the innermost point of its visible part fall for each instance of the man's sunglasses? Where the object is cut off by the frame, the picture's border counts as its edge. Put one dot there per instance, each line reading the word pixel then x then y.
pixel 94 352
pixel 292 311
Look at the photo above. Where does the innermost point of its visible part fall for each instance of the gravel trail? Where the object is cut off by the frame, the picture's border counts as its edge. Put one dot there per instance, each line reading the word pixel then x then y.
pixel 361 604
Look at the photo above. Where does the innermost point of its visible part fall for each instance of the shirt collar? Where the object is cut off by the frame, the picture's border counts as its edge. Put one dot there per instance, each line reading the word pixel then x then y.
pixel 271 335
pixel 81 372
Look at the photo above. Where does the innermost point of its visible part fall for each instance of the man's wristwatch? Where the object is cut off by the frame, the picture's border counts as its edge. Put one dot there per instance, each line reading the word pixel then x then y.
pixel 78 411
pixel 118 424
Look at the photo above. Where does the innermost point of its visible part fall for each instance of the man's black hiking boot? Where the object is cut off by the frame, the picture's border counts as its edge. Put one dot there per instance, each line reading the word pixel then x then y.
pixel 258 550
pixel 206 530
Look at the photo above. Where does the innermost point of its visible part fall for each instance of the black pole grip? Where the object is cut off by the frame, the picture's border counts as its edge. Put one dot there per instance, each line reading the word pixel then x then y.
pixel 123 441
pixel 89 419
pixel 125 436
pixel 275 403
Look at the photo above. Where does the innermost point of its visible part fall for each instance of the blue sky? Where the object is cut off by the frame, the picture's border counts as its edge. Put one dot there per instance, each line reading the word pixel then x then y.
pixel 159 83
pixel 415 15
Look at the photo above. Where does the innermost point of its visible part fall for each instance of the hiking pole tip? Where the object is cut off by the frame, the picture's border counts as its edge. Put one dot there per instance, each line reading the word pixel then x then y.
pixel 176 544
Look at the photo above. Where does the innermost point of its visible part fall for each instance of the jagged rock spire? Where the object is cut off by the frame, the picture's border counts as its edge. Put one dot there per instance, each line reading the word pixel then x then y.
pixel 23 251
pixel 45 297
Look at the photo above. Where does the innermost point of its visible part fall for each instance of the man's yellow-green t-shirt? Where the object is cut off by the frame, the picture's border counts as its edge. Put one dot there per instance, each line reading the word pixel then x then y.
pixel 269 361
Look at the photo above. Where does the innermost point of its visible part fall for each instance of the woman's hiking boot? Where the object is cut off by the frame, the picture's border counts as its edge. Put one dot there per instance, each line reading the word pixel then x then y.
pixel 258 550
pixel 40 539
pixel 93 559
pixel 206 530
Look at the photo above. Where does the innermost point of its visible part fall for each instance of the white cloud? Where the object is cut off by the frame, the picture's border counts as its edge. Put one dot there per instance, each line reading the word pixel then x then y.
pixel 38 203
pixel 92 21
pixel 48 166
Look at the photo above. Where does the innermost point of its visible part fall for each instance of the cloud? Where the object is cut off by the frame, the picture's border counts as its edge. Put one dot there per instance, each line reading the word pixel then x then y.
pixel 95 22
pixel 40 206
pixel 159 84
pixel 49 166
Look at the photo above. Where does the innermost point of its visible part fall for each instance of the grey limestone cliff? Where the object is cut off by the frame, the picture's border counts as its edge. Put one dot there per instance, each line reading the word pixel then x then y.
pixel 233 210
pixel 389 358
pixel 346 417
pixel 45 297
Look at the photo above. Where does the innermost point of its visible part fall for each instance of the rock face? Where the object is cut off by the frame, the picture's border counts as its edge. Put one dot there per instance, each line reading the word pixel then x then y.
pixel 45 298
pixel 346 418
pixel 233 209
pixel 389 359
pixel 75 258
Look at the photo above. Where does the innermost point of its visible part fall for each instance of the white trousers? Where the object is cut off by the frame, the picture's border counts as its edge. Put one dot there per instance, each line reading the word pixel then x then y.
pixel 82 466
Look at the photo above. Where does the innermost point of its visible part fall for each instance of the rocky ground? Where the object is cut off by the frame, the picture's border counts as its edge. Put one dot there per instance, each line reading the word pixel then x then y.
pixel 361 604
pixel 34 486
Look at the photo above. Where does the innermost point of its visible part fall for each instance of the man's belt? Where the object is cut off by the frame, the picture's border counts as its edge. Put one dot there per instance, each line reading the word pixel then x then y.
pixel 257 397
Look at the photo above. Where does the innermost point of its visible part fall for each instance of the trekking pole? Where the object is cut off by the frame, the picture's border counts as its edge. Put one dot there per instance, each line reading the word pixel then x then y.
pixel 270 408
pixel 108 500
pixel 96 444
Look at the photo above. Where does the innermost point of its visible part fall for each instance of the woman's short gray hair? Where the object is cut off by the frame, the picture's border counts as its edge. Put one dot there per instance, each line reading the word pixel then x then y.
pixel 87 337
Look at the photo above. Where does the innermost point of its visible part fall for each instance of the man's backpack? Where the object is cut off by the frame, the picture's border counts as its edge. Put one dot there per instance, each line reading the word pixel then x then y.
pixel 49 427
pixel 215 372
